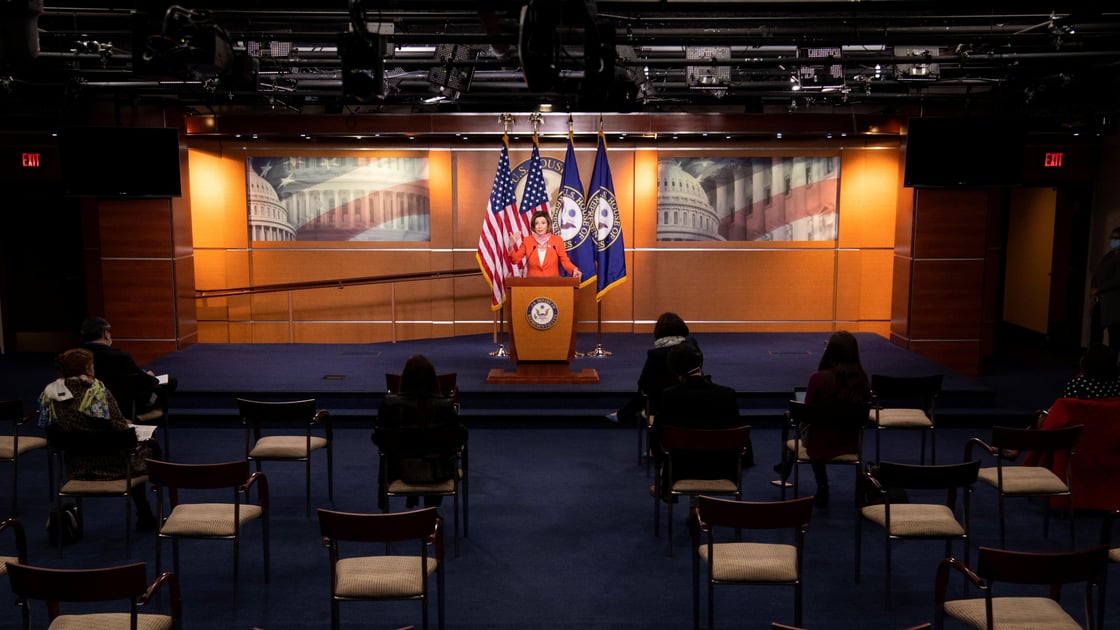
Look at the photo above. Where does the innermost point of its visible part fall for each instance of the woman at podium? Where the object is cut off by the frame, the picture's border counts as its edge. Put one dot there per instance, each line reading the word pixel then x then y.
pixel 544 252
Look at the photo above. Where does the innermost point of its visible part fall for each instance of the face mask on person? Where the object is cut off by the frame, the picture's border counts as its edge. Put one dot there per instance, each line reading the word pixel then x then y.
pixel 1114 243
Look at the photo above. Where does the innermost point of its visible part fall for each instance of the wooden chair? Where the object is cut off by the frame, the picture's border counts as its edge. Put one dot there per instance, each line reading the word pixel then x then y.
pixel 1028 481
pixel 14 445
pixel 384 576
pixel 915 520
pixel 906 402
pixel 838 437
pixel 208 520
pixel 682 446
pixel 1107 526
pixel 287 417
pixel 994 566
pixel 126 583
pixel 736 562
pixel 443 457
pixel 68 445
pixel 20 544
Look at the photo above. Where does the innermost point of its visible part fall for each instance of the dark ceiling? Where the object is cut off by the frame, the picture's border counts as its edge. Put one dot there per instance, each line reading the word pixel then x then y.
pixel 608 56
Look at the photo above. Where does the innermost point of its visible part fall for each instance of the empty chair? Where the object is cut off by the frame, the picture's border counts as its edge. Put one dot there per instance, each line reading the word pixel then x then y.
pixel 731 561
pixel 915 519
pixel 906 402
pixel 14 445
pixel 717 449
pixel 72 447
pixel 19 545
pixel 826 435
pixel 285 446
pixel 1028 481
pixel 1053 570
pixel 73 587
pixel 205 518
pixel 357 573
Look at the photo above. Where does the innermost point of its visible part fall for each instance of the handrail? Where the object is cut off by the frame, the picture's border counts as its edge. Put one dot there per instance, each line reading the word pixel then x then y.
pixel 340 283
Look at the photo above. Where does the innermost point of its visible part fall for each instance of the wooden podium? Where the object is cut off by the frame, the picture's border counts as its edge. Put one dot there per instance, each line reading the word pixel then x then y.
pixel 542 333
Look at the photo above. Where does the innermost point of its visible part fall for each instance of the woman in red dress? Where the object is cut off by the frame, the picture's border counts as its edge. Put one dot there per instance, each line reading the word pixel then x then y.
pixel 544 252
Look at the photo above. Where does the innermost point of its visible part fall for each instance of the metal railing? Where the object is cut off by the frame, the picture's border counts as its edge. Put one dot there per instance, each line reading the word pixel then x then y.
pixel 341 283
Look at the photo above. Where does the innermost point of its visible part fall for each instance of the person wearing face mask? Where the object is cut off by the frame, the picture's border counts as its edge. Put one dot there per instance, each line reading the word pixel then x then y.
pixel 543 251
pixel 1105 295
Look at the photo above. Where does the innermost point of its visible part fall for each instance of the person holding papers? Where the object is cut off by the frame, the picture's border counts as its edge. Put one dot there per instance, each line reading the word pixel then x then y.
pixel 118 370
pixel 543 251
pixel 77 401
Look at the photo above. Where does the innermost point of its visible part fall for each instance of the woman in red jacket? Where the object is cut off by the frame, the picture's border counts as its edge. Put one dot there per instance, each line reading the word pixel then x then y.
pixel 544 253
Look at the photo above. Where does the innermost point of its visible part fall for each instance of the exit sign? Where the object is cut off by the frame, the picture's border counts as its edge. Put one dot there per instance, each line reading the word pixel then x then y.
pixel 31 160
pixel 1052 160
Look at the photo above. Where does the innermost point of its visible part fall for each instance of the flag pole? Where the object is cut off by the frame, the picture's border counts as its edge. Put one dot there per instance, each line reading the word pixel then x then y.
pixel 501 351
pixel 506 120
pixel 599 351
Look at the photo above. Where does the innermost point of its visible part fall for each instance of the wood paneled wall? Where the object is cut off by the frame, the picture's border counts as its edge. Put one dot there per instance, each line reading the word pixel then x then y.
pixel 945 265
pixel 715 286
pixel 143 256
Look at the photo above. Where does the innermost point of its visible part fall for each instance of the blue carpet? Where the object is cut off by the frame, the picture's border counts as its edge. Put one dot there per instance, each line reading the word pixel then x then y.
pixel 561 537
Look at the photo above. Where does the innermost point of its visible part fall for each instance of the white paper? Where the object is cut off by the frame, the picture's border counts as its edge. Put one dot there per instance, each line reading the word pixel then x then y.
pixel 162 379
pixel 144 431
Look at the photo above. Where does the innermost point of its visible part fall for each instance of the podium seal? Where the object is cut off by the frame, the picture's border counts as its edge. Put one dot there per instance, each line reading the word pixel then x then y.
pixel 542 313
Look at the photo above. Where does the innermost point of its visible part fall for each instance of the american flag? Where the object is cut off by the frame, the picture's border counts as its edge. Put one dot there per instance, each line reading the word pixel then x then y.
pixel 493 242
pixel 535 197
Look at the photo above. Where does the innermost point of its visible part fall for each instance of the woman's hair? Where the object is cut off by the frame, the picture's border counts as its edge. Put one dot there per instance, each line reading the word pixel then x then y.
pixel 841 357
pixel 76 362
pixel 540 213
pixel 1099 363
pixel 670 325
pixel 418 377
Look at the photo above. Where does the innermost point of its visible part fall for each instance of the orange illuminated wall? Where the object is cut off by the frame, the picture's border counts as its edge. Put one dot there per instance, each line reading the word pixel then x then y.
pixel 716 286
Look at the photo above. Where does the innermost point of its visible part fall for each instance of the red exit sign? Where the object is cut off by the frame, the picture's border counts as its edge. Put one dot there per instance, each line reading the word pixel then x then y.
pixel 1052 160
pixel 30 160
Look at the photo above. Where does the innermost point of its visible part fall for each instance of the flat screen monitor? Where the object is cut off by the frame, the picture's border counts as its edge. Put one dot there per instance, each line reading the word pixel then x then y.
pixel 120 161
pixel 963 152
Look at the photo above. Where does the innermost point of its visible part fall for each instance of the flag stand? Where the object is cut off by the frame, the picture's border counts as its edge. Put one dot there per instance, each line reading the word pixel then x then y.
pixel 501 351
pixel 599 351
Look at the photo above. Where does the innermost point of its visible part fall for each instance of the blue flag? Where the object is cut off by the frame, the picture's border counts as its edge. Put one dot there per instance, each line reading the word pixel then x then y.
pixel 601 203
pixel 572 219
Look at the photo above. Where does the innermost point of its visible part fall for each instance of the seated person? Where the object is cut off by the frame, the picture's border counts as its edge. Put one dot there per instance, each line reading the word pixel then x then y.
pixel 694 402
pixel 1099 377
pixel 77 401
pixel 656 375
pixel 412 424
pixel 119 372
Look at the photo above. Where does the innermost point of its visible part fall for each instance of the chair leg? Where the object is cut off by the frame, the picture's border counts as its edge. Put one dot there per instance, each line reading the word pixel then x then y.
pixel 797 603
pixel 878 430
pixel 307 507
pixel 695 590
pixel 334 613
pixel 1002 528
pixel 887 574
pixel 859 544
pixel 236 553
pixel 933 445
pixel 922 457
pixel 669 524
pixel 264 538
pixel 711 601
pixel 330 474
pixel 439 597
